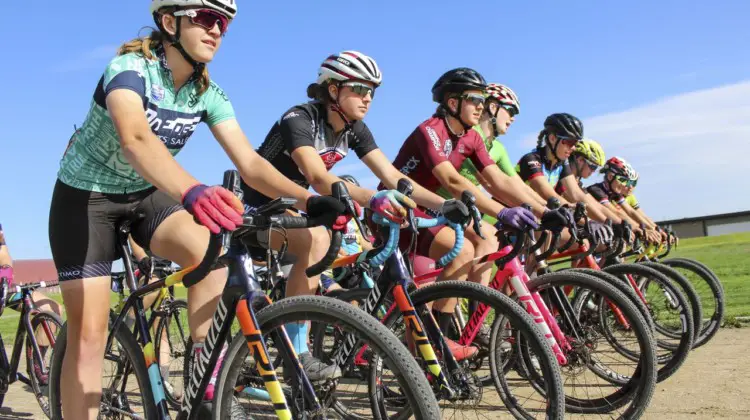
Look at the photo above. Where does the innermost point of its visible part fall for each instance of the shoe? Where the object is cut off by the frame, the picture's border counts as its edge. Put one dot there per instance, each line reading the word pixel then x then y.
pixel 315 369
pixel 461 352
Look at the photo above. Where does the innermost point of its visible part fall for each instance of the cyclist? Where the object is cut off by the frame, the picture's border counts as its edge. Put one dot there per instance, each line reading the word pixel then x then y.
pixel 305 143
pixel 432 155
pixel 610 193
pixel 547 170
pixel 500 109
pixel 144 109
pixel 645 221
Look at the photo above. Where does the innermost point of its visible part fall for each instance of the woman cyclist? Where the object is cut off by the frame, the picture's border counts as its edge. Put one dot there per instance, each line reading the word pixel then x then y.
pixel 547 170
pixel 304 144
pixel 145 107
pixel 618 175
pixel 500 109
pixel 432 156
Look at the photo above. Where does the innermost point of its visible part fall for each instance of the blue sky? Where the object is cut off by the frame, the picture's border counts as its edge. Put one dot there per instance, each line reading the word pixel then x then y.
pixel 664 84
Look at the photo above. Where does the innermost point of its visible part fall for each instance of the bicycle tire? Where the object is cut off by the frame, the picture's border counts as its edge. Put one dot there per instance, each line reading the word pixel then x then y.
pixel 639 390
pixel 622 286
pixel 553 389
pixel 132 351
pixel 41 391
pixel 687 288
pixel 326 309
pixel 679 353
pixel 173 307
pixel 710 327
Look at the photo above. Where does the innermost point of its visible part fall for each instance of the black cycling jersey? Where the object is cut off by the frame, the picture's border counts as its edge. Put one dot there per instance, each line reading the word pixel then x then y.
pixel 307 125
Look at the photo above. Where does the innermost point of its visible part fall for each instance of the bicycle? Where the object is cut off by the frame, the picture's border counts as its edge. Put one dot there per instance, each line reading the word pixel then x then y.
pixel 242 298
pixel 567 331
pixel 30 320
pixel 395 300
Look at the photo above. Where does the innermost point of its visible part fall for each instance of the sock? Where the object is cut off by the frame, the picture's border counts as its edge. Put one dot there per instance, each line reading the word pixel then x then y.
pixel 297 332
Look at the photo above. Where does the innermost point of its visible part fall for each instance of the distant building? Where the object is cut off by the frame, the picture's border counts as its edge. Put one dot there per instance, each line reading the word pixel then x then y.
pixel 32 271
pixel 713 225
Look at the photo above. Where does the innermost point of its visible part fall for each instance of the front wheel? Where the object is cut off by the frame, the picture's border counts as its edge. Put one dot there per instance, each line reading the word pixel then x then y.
pixel 44 326
pixel 240 379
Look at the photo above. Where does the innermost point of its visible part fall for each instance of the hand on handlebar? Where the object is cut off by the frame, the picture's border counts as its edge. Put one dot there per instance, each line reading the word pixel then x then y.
pixel 456 212
pixel 214 207
pixel 602 233
pixel 517 218
pixel 329 210
pixel 392 205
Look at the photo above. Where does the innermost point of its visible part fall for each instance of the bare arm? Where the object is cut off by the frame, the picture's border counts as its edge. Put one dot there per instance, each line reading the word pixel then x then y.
pixel 142 148
pixel 315 172
pixel 457 184
pixel 257 172
pixel 542 187
pixel 5 258
pixel 386 172
pixel 508 191
pixel 574 193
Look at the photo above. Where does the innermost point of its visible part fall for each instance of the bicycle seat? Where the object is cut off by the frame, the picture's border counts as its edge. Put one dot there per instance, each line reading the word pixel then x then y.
pixel 126 221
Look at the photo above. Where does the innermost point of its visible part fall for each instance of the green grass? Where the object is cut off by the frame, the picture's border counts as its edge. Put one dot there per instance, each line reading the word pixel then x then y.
pixel 728 256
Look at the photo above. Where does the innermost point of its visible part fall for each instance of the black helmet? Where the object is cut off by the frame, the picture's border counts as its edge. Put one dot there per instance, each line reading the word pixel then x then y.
pixel 564 125
pixel 350 179
pixel 457 81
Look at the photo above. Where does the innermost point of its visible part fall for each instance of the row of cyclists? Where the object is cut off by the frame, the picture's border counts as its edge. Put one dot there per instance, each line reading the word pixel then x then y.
pixel 157 89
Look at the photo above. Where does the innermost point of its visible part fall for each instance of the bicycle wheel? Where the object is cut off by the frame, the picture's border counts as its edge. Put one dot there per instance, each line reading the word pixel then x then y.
pixel 119 400
pixel 711 294
pixel 173 332
pixel 669 309
pixel 44 326
pixel 588 356
pixel 687 288
pixel 238 378
pixel 514 390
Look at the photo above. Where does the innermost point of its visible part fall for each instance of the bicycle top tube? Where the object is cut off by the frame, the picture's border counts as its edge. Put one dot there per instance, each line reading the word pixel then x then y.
pixel 395 229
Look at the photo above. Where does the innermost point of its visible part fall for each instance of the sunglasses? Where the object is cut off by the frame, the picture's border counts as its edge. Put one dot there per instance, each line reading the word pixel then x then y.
pixel 475 98
pixel 592 166
pixel 568 141
pixel 512 111
pixel 205 18
pixel 625 181
pixel 360 89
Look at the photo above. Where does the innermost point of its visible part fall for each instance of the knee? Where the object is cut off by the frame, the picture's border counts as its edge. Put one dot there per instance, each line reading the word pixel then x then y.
pixel 489 243
pixel 87 339
pixel 466 255
pixel 313 242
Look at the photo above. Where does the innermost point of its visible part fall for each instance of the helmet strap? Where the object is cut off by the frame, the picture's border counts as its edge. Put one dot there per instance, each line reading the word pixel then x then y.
pixel 457 114
pixel 493 120
pixel 174 40
pixel 552 149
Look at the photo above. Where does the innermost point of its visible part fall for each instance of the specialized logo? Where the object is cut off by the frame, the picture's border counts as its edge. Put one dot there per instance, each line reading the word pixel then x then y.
pixel 448 147
pixel 434 138
pixel 157 92
pixel 290 115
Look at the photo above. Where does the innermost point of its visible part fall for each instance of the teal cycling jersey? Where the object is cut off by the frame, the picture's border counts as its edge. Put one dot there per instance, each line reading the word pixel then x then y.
pixel 94 160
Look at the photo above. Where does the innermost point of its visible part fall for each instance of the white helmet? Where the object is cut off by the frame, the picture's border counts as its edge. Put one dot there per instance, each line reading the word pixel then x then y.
pixel 226 7
pixel 349 65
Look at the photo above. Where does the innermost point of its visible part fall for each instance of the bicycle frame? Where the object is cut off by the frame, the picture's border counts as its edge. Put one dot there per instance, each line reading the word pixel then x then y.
pixel 241 297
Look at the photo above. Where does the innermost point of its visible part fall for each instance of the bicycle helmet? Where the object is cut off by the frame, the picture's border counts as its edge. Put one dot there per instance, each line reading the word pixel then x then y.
pixel 504 95
pixel 225 7
pixel 591 151
pixel 350 65
pixel 619 166
pixel 564 125
pixel 457 81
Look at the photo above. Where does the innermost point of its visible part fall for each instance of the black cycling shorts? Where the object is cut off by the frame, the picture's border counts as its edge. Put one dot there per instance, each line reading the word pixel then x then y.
pixel 82 227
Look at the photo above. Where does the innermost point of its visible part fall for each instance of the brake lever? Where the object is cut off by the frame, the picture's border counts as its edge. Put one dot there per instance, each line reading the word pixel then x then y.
pixel 404 187
pixel 339 191
pixel 470 201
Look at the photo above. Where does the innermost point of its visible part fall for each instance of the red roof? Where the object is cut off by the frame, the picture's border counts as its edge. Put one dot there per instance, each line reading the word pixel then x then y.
pixel 30 271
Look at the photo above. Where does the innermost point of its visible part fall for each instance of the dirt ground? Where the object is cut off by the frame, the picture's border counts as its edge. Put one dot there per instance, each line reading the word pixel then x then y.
pixel 713 383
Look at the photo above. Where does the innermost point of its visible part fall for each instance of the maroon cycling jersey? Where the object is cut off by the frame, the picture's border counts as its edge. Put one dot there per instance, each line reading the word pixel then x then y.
pixel 431 144
pixel 602 193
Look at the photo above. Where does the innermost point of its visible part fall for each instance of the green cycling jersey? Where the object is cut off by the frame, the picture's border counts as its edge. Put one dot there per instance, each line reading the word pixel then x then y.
pixel 94 160
pixel 497 153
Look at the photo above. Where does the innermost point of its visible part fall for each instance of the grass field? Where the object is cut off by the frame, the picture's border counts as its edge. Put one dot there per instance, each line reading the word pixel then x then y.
pixel 727 255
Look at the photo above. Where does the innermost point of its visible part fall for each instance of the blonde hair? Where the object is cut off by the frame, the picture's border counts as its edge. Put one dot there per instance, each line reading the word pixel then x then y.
pixel 143 47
